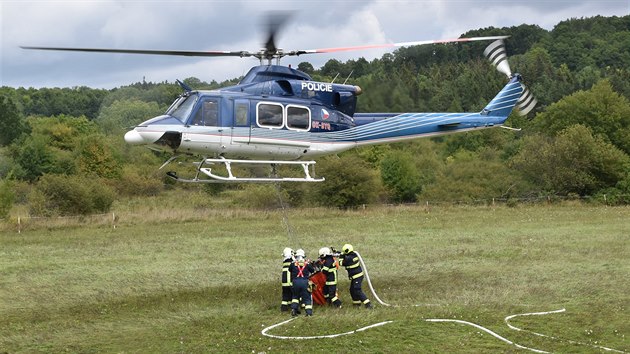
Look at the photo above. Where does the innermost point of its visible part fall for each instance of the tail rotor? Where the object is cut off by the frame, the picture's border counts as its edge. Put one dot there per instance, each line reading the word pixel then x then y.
pixel 526 102
pixel 497 55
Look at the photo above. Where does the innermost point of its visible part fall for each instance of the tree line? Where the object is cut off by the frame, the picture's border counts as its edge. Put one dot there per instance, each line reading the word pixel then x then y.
pixel 62 152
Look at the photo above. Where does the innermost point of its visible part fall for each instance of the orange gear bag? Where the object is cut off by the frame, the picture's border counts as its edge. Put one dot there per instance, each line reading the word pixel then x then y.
pixel 319 280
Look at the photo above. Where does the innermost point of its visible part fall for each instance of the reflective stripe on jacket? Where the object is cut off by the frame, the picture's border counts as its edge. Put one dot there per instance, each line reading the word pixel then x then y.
pixel 351 262
pixel 286 274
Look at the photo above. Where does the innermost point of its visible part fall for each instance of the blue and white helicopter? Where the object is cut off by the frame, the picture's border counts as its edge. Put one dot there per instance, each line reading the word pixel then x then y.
pixel 279 116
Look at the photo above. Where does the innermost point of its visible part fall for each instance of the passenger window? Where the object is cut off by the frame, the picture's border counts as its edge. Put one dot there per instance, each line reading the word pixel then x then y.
pixel 298 117
pixel 270 115
pixel 241 114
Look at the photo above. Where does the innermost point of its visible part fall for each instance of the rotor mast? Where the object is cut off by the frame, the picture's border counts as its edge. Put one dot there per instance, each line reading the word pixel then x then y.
pixel 265 55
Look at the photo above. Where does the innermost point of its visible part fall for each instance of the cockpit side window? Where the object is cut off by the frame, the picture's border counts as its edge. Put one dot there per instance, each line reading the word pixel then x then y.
pixel 207 114
pixel 182 107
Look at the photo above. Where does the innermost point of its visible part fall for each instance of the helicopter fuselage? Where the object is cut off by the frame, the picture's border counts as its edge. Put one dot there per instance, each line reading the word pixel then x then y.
pixel 279 113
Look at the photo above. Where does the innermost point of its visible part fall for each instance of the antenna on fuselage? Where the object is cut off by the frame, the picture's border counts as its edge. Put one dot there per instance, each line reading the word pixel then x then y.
pixel 348 76
pixel 333 80
pixel 183 86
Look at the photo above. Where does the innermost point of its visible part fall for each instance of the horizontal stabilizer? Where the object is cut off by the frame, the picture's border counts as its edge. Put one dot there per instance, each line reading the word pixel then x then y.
pixel 448 126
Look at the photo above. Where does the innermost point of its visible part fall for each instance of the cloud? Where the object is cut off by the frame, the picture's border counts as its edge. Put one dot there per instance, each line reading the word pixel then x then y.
pixel 236 25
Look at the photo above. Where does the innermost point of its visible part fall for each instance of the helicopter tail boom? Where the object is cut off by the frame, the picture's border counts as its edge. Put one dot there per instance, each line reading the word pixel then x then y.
pixel 379 128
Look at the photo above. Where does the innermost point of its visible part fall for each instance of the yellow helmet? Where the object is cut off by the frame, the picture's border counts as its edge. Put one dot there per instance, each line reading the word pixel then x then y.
pixel 347 248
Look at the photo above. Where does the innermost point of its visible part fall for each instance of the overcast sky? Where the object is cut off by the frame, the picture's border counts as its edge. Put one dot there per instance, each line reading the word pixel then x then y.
pixel 236 25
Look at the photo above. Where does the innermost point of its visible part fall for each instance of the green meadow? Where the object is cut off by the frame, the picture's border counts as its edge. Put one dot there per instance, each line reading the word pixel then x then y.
pixel 207 280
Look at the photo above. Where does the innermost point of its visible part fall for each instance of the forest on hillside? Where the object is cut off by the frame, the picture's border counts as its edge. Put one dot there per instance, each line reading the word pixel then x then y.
pixel 62 152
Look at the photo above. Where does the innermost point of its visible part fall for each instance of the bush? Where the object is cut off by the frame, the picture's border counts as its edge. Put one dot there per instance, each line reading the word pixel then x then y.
pixel 350 182
pixel 33 157
pixel 96 156
pixel 575 161
pixel 260 196
pixel 400 176
pixel 470 176
pixel 136 182
pixel 71 195
pixel 6 164
pixel 7 196
pixel 37 205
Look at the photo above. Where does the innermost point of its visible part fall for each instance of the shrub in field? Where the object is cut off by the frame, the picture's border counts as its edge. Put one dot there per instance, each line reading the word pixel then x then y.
pixel 62 131
pixel 102 196
pixel 96 156
pixel 575 161
pixel 33 157
pixel 618 195
pixel 471 176
pixel 6 164
pixel 37 205
pixel 71 195
pixel 6 198
pixel 400 176
pixel 296 194
pixel 137 182
pixel 260 196
pixel 350 182
pixel 21 190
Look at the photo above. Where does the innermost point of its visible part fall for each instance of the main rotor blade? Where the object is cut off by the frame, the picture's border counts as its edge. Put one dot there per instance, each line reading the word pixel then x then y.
pixel 152 52
pixel 393 45
pixel 275 21
pixel 269 52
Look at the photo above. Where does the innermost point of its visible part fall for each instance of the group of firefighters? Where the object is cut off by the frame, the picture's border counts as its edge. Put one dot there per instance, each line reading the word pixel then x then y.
pixel 299 273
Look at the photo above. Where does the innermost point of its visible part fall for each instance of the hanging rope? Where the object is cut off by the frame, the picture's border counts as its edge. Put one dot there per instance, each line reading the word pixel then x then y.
pixel 285 218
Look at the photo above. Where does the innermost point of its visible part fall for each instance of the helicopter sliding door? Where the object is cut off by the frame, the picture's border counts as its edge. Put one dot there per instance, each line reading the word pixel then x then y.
pixel 242 130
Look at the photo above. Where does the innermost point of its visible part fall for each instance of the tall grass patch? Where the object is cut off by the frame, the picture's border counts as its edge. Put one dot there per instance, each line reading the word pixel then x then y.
pixel 211 283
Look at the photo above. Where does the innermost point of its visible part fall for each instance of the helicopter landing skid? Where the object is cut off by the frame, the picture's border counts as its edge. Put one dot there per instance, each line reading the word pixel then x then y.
pixel 202 172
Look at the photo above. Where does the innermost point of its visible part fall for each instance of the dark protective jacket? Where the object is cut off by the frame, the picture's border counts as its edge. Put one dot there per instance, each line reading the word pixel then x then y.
pixel 351 262
pixel 286 274
pixel 329 268
pixel 301 269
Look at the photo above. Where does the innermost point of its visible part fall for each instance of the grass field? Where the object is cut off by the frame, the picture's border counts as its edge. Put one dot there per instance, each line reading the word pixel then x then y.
pixel 209 282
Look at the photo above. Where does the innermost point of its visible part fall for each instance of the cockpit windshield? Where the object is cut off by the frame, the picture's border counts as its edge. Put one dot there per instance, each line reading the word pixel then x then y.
pixel 182 107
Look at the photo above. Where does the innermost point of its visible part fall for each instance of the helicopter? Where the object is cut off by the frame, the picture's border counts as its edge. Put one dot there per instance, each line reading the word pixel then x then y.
pixel 279 116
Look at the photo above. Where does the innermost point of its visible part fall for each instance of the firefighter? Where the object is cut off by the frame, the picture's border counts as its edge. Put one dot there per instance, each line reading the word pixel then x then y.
pixel 287 293
pixel 301 269
pixel 350 260
pixel 329 268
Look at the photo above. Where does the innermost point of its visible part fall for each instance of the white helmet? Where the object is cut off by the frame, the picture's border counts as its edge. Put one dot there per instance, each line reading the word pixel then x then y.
pixel 299 253
pixel 324 251
pixel 287 253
